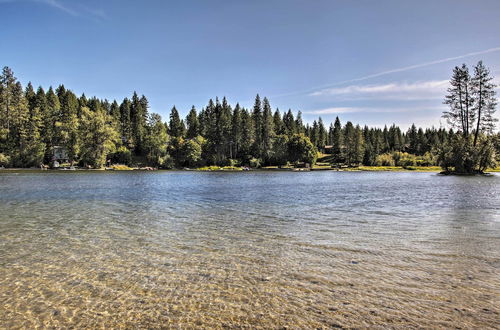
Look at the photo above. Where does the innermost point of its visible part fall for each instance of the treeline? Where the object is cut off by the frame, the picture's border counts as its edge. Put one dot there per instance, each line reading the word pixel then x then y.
pixel 94 132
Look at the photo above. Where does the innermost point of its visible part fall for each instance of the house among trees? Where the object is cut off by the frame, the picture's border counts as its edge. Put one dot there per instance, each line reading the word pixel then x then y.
pixel 59 155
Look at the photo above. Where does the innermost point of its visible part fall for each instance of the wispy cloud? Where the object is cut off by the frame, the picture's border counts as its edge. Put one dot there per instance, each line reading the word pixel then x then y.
pixel 73 10
pixel 335 110
pixel 396 90
pixel 341 110
pixel 391 71
pixel 422 65
pixel 58 5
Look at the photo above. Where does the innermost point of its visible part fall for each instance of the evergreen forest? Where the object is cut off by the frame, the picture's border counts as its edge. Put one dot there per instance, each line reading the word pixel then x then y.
pixel 96 132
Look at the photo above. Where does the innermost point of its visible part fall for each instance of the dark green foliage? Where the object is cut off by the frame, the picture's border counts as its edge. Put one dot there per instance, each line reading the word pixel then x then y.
pixel 175 128
pixel 267 131
pixel 301 149
pixel 98 136
pixel 280 152
pixel 279 127
pixel 122 156
pixel 191 152
pixel 247 135
pixel 289 123
pixel 94 131
pixel 138 120
pixel 156 140
pixel 126 124
pixel 322 135
pixel 463 155
pixel 412 139
pixel 193 125
pixel 472 103
pixel 257 121
pixel 354 144
pixel 236 132
pixel 337 142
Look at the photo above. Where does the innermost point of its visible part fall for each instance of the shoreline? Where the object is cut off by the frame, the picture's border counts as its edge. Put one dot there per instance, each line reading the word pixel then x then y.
pixel 421 169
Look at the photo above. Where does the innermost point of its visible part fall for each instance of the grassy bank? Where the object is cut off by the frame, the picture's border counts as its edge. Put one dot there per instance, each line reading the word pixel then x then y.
pixel 400 168
pixel 219 168
pixel 433 169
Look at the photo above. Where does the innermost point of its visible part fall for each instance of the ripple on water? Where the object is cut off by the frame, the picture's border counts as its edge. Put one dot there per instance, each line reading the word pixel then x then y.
pixel 304 250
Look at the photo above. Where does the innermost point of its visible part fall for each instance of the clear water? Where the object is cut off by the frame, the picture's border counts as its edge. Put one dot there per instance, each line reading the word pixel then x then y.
pixel 257 249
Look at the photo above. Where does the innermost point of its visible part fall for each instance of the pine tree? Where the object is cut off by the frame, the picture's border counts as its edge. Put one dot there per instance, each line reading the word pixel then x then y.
pixel 156 141
pixel 30 95
pixel 175 125
pixel 98 137
pixel 358 149
pixel 114 111
pixel 257 121
pixel 349 143
pixel 126 124
pixel 267 131
pixel 82 102
pixel 314 134
pixel 299 125
pixel 289 123
pixel 421 142
pixel 412 136
pixel 20 124
pixel 35 149
pixel 236 131
pixel 193 129
pixel 321 135
pixel 460 101
pixel 247 134
pixel 224 128
pixel 278 125
pixel 68 135
pixel 385 140
pixel 52 121
pixel 337 141
pixel 138 119
pixel 395 138
pixel 7 85
pixel 484 105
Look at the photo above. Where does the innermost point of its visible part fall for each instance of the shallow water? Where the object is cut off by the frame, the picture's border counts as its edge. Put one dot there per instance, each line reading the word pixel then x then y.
pixel 257 249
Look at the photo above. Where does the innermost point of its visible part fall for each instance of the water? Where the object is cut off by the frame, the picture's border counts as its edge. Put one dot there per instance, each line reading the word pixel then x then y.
pixel 255 249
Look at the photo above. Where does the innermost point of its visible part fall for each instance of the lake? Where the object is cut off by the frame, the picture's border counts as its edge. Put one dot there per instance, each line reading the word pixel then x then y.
pixel 255 249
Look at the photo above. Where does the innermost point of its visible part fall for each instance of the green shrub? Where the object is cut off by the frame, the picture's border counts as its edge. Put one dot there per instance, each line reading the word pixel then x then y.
pixel 462 156
pixel 122 156
pixel 384 160
pixel 404 159
pixel 301 149
pixel 231 162
pixel 166 162
pixel 427 159
pixel 255 162
pixel 4 160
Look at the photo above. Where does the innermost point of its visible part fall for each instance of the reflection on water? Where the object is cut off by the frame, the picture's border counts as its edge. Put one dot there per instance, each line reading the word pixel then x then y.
pixel 306 250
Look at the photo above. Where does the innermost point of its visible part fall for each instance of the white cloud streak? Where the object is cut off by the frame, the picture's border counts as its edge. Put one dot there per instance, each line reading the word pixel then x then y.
pixel 58 5
pixel 421 65
pixel 340 110
pixel 81 10
pixel 388 72
pixel 396 90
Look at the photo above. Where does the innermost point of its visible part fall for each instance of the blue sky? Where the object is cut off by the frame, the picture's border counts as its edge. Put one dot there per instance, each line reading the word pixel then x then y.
pixel 371 62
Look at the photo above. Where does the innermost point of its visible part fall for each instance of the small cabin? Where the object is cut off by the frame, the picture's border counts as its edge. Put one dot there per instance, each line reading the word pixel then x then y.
pixel 60 154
